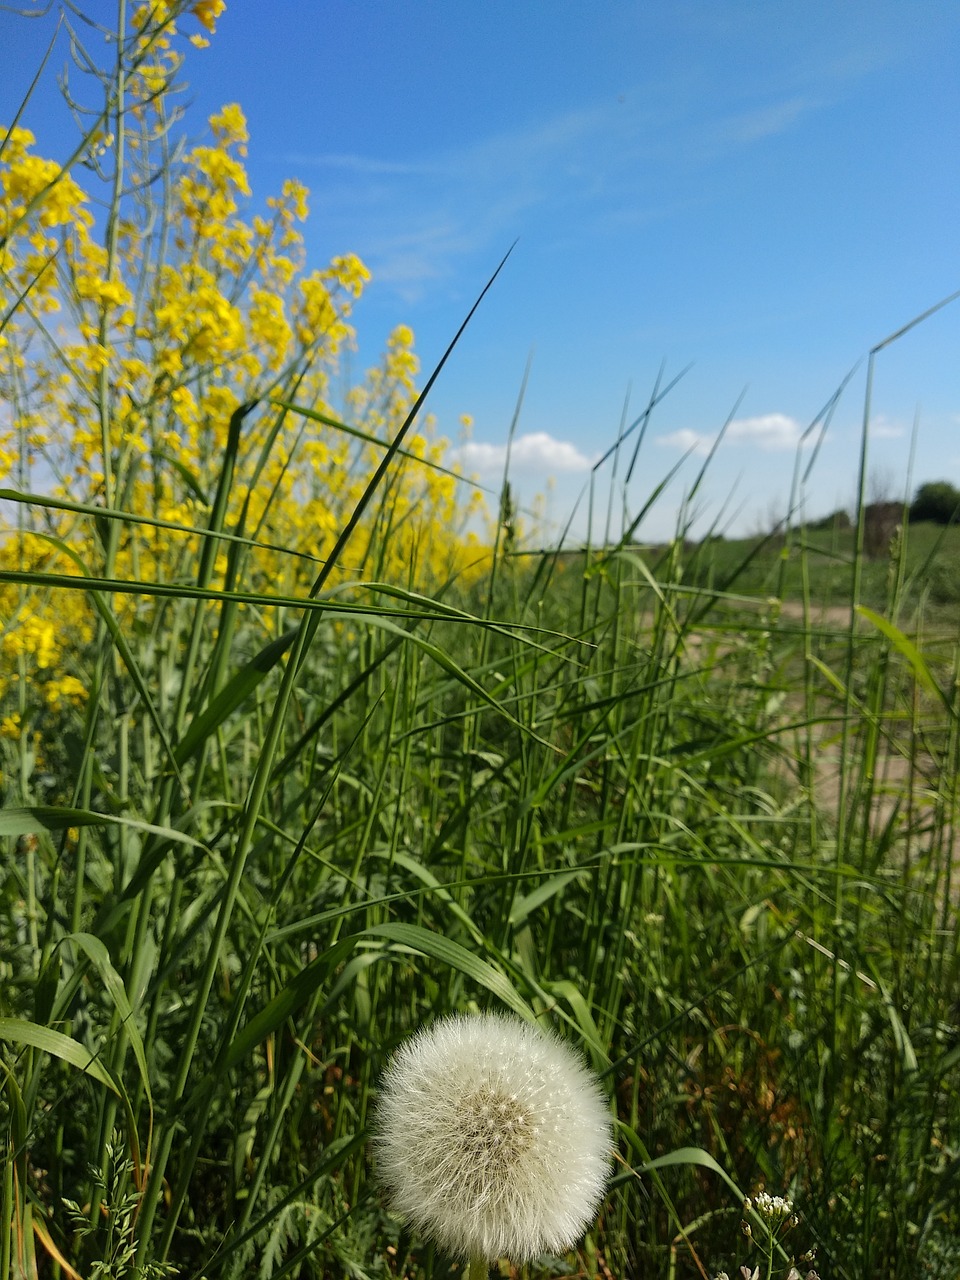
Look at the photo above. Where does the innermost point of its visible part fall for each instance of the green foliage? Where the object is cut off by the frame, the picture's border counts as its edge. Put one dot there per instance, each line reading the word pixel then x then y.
pixel 115 1233
pixel 937 501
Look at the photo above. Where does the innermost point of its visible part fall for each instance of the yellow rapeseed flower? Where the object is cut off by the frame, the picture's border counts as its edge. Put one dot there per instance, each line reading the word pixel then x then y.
pixel 66 689
pixel 10 726
pixel 207 12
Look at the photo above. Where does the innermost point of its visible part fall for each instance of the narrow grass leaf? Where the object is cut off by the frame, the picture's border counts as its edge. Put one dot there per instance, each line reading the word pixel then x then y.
pixel 692 1155
pixel 286 1002
pixel 457 957
pixel 238 688
pixel 19 1031
pixel 98 954
pixel 25 821
pixel 368 438
pixel 452 668
pixel 524 906
pixel 43 1235
pixel 910 651
pixel 440 891
pixel 583 1018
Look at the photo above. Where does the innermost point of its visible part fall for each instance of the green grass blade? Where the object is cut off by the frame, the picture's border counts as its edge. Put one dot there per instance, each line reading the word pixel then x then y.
pixel 26 819
pixel 237 689
pixel 451 953
pixel 905 645
pixel 19 1031
pixel 113 983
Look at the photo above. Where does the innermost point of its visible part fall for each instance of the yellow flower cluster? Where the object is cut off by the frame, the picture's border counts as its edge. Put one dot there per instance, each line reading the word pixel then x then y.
pixel 34 626
pixel 129 356
pixel 207 12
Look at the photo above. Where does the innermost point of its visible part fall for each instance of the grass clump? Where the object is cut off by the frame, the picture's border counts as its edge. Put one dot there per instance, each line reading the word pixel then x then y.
pixel 290 771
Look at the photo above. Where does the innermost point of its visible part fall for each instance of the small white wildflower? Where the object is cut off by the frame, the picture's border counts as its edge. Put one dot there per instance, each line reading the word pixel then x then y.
pixel 772 1207
pixel 492 1137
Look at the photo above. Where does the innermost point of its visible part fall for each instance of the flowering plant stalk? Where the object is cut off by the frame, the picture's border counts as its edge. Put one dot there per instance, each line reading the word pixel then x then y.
pixel 774 1216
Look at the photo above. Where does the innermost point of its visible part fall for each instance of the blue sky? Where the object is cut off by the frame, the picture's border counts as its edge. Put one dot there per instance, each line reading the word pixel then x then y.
pixel 762 190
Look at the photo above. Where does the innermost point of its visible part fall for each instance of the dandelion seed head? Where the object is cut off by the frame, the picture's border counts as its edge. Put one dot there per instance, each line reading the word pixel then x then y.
pixel 493 1138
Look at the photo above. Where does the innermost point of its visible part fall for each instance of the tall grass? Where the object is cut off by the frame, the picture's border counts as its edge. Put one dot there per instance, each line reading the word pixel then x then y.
pixel 704 832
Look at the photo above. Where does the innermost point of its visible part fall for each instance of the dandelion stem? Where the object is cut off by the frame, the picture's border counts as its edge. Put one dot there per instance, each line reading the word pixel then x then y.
pixel 478 1268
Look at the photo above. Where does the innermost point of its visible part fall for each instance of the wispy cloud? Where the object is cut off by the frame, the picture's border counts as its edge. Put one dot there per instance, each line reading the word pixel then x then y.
pixel 602 166
pixel 536 453
pixel 767 121
pixel 415 219
pixel 359 164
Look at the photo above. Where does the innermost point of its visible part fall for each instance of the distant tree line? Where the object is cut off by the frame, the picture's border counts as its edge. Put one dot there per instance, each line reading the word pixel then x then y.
pixel 936 502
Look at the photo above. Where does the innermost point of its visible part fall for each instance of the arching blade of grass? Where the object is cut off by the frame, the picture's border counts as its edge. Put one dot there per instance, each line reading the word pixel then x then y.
pixel 377 443
pixel 449 665
pixel 912 654
pixel 231 695
pixel 20 1032
pixel 457 957
pixel 43 501
pixel 294 995
pixel 98 955
pixel 26 820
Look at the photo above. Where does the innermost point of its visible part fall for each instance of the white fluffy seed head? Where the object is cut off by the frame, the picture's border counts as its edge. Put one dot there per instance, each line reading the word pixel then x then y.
pixel 493 1138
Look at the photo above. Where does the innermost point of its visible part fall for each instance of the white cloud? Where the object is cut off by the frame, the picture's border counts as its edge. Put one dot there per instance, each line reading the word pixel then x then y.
pixel 882 428
pixel 771 432
pixel 686 439
pixel 537 453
